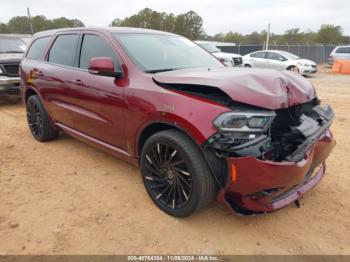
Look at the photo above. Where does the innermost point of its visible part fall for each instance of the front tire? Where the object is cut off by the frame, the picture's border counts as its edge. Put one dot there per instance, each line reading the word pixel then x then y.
pixel 293 68
pixel 175 174
pixel 38 120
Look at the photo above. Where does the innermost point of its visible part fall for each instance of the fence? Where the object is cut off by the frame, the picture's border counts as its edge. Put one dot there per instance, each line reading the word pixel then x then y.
pixel 317 53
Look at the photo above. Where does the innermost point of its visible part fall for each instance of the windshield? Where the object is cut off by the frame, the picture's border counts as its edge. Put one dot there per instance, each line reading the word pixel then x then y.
pixel 12 45
pixel 155 53
pixel 289 55
pixel 210 47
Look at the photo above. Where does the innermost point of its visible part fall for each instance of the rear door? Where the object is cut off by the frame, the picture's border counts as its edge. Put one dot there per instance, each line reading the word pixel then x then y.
pixel 97 101
pixel 56 74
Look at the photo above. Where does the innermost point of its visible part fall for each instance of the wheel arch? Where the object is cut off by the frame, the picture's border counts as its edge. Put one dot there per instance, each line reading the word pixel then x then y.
pixel 154 128
pixel 30 92
pixel 218 167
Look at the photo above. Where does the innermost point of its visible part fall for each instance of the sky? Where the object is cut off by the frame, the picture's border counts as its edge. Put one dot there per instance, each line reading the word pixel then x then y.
pixel 244 16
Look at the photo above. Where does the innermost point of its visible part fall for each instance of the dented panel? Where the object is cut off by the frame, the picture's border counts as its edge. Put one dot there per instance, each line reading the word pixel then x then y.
pixel 259 87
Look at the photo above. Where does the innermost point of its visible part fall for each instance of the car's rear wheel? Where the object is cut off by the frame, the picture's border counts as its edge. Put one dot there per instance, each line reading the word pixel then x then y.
pixel 38 120
pixel 175 174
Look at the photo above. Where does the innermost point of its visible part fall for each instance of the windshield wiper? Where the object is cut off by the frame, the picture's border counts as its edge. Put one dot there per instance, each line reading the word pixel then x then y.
pixel 161 70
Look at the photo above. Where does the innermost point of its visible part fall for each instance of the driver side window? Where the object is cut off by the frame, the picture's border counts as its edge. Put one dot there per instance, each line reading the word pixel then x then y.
pixel 275 56
pixel 94 46
pixel 259 55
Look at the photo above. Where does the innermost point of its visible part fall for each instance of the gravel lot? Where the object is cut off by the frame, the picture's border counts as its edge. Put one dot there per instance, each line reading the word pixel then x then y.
pixel 65 197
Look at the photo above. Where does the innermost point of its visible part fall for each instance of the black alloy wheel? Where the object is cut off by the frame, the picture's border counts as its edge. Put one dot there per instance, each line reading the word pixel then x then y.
pixel 168 176
pixel 35 120
pixel 175 173
pixel 38 120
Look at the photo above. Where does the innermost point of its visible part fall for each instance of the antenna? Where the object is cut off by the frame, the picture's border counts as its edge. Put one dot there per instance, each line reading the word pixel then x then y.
pixel 30 21
pixel 267 37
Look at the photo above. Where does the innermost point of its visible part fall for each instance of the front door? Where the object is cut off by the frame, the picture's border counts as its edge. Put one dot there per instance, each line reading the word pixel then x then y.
pixel 97 101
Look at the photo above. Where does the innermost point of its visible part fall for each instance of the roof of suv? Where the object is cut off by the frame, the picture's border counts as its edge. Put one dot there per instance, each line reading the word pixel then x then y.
pixel 102 29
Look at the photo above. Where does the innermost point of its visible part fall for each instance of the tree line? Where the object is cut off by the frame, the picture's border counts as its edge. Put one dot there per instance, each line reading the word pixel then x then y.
pixel 188 24
pixel 21 25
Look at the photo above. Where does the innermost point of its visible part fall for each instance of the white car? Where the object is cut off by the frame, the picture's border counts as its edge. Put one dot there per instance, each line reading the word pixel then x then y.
pixel 280 60
pixel 228 59
pixel 340 52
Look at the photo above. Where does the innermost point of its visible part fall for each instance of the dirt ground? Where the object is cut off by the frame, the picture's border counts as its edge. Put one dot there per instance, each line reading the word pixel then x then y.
pixel 65 197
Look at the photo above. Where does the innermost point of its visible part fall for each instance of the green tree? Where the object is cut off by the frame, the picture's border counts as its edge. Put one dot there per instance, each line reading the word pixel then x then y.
pixel 3 28
pixel 168 22
pixel 233 37
pixel 253 38
pixel 292 36
pixel 19 24
pixel 188 24
pixel 330 34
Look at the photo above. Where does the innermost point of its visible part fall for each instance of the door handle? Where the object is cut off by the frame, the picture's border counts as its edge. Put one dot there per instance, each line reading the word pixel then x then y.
pixel 77 82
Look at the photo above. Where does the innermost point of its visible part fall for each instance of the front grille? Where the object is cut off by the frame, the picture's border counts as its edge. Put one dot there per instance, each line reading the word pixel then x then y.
pixel 11 69
pixel 237 60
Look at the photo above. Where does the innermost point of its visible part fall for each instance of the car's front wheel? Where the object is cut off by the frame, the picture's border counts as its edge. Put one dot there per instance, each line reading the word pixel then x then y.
pixel 38 120
pixel 175 174
pixel 293 68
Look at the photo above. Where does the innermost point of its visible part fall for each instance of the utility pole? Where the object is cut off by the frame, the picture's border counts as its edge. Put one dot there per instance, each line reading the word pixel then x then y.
pixel 268 37
pixel 30 21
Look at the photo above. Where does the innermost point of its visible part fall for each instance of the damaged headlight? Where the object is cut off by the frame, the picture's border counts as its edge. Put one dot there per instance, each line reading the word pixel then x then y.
pixel 252 122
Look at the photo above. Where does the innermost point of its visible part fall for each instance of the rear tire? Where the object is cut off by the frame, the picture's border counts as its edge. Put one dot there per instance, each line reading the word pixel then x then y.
pixel 175 174
pixel 38 120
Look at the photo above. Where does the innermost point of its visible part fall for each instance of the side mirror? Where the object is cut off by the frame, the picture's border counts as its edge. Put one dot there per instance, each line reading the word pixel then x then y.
pixel 103 66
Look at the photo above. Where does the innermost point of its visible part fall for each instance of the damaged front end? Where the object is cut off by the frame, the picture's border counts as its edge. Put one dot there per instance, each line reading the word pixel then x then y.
pixel 273 157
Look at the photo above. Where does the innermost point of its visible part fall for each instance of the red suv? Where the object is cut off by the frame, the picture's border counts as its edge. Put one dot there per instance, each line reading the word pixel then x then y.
pixel 254 139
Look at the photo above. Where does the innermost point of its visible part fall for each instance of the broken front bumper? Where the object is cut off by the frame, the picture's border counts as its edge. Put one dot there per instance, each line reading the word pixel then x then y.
pixel 256 186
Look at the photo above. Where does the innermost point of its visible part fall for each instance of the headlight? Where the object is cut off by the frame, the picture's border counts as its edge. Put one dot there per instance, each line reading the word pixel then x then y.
pixel 253 122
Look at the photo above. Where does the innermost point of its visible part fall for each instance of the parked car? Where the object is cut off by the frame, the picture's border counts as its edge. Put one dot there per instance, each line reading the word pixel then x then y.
pixel 340 52
pixel 254 139
pixel 280 60
pixel 228 59
pixel 11 52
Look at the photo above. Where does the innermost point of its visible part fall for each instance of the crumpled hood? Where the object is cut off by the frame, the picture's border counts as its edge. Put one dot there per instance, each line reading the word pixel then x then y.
pixel 264 88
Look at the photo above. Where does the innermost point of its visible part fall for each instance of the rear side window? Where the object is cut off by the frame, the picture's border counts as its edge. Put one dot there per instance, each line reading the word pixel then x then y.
pixel 36 49
pixel 343 50
pixel 259 55
pixel 94 46
pixel 63 50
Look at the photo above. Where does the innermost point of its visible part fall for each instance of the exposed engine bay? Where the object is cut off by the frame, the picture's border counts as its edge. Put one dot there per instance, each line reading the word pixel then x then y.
pixel 290 134
pixel 283 134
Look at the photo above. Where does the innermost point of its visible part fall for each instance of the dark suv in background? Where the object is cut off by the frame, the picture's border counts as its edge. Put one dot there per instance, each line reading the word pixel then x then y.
pixel 255 139
pixel 11 52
